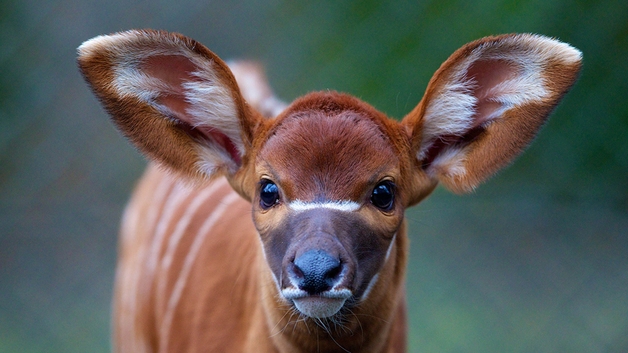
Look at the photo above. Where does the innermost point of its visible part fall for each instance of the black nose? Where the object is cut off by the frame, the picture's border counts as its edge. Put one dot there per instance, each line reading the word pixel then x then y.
pixel 316 271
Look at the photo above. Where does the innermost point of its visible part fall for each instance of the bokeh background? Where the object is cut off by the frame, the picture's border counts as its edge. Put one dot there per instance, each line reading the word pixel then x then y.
pixel 535 261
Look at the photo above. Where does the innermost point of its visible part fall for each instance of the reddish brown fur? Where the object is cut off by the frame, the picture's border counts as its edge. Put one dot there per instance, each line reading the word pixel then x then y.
pixel 182 289
pixel 485 159
pixel 321 143
pixel 132 116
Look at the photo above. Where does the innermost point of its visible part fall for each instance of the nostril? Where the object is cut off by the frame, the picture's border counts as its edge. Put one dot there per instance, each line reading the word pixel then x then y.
pixel 296 271
pixel 334 271
pixel 316 271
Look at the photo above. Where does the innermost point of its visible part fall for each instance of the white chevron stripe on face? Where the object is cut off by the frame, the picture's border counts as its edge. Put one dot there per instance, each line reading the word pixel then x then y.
pixel 340 205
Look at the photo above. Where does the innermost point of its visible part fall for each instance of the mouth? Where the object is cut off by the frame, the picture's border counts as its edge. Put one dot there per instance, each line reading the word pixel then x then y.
pixel 317 306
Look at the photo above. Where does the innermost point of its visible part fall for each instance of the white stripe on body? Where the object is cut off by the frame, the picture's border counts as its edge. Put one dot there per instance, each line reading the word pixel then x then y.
pixel 179 231
pixel 188 263
pixel 131 274
pixel 179 193
pixel 148 254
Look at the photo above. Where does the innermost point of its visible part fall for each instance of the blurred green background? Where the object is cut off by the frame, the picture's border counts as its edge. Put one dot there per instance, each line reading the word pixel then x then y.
pixel 535 261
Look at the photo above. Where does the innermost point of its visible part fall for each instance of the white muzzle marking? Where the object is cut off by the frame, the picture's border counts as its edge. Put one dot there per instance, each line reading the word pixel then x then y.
pixel 317 306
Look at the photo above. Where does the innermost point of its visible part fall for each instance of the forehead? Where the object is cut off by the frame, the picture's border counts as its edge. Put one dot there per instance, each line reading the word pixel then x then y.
pixel 334 155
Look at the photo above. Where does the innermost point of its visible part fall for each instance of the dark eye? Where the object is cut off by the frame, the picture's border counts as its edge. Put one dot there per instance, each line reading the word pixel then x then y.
pixel 269 194
pixel 383 195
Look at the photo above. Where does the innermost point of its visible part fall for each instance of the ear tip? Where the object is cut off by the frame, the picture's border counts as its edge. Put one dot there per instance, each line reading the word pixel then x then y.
pixel 546 47
pixel 89 47
pixel 100 44
pixel 108 42
pixel 566 51
pixel 553 47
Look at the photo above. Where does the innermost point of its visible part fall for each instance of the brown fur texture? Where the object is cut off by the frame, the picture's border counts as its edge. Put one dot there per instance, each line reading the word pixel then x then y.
pixel 196 274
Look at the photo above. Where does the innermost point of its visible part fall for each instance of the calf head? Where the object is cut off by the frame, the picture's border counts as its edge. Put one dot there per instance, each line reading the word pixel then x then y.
pixel 330 177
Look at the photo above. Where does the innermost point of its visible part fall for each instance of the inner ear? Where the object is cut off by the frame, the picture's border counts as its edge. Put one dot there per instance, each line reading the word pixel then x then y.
pixel 490 80
pixel 492 84
pixel 172 71
pixel 450 141
pixel 175 73
pixel 485 104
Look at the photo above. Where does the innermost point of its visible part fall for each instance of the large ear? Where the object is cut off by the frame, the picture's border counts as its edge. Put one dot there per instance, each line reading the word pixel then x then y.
pixel 486 103
pixel 173 98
